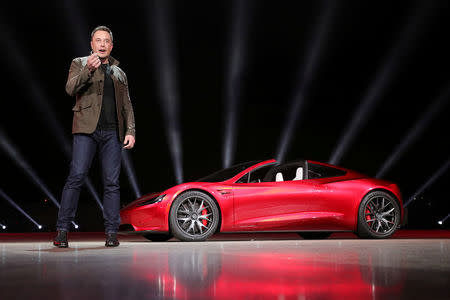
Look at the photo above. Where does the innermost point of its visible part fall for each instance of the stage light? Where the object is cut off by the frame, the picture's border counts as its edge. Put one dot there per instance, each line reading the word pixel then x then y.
pixel 441 171
pixel 38 98
pixel 305 77
pixel 238 37
pixel 40 226
pixel 16 206
pixel 126 161
pixel 441 222
pixel 415 131
pixel 3 226
pixel 168 87
pixel 383 78
pixel 76 226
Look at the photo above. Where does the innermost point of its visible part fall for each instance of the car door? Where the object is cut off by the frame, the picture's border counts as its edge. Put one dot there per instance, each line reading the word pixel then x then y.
pixel 281 205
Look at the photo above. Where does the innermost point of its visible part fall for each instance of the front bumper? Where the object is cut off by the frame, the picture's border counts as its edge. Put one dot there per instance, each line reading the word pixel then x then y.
pixel 152 217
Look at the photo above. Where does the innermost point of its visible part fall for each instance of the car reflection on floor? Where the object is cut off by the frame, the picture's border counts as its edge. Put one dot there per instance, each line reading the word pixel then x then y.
pixel 230 273
pixel 250 267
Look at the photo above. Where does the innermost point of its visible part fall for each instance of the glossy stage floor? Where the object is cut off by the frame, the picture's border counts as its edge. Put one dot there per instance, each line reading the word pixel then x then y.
pixel 411 265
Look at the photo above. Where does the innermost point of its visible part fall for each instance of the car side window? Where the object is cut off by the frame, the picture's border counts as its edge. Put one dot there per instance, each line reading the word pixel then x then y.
pixel 287 172
pixel 243 179
pixel 292 172
pixel 255 176
pixel 319 171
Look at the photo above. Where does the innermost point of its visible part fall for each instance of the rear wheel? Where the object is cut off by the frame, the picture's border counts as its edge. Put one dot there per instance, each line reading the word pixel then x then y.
pixel 378 215
pixel 314 235
pixel 156 237
pixel 194 216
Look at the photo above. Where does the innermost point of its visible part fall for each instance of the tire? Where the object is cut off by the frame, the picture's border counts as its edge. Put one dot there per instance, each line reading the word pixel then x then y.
pixel 194 216
pixel 378 216
pixel 314 235
pixel 156 237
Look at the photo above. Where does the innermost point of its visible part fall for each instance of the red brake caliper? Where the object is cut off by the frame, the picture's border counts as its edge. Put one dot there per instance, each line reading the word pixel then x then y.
pixel 204 212
pixel 367 213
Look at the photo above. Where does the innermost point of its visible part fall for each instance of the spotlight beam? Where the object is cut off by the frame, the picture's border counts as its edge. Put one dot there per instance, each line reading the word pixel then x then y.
pixel 16 206
pixel 168 87
pixel 3 226
pixel 441 171
pixel 239 34
pixel 382 79
pixel 39 100
pixel 11 150
pixel 128 165
pixel 305 77
pixel 94 194
pixel 415 132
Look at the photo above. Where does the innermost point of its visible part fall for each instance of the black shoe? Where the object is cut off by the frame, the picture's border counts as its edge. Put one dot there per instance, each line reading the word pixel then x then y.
pixel 111 240
pixel 60 240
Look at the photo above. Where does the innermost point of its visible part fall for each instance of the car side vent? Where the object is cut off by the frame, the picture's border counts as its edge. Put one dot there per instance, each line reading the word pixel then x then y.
pixel 224 191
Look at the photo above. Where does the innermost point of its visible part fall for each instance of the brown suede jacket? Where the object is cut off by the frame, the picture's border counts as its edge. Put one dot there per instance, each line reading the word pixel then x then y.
pixel 88 89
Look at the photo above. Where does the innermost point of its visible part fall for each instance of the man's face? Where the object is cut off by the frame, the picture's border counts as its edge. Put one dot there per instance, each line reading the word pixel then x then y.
pixel 101 44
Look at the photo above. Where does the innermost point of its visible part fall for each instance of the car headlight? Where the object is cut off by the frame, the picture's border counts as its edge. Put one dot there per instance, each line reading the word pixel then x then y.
pixel 153 200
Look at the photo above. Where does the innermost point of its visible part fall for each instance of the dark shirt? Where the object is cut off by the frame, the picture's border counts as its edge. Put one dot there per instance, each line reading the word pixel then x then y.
pixel 108 117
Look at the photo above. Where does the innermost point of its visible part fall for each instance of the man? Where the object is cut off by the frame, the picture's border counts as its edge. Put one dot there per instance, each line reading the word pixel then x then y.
pixel 103 120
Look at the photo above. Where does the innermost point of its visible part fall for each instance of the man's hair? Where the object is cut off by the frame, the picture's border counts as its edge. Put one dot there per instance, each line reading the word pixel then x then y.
pixel 102 28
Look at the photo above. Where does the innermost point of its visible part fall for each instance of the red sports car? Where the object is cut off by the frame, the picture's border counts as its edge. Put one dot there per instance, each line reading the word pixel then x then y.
pixel 308 197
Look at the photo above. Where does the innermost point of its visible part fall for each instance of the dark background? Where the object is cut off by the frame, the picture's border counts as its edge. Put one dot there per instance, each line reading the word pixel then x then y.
pixel 39 40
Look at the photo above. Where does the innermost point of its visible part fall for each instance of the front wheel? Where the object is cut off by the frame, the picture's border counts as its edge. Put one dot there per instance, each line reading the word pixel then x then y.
pixel 194 216
pixel 378 215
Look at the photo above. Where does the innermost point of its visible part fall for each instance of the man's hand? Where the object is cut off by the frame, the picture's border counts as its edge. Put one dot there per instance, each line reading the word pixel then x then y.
pixel 93 62
pixel 129 142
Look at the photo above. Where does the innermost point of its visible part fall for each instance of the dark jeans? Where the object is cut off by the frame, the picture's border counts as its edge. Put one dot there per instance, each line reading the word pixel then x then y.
pixel 110 152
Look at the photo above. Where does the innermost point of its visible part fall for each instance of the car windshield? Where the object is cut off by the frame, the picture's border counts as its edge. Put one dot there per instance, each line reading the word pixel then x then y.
pixel 228 173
